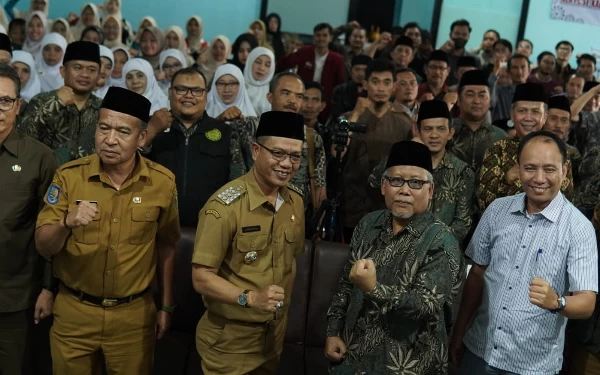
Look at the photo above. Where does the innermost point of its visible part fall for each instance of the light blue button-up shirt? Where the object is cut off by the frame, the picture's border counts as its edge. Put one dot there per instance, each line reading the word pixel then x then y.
pixel 557 245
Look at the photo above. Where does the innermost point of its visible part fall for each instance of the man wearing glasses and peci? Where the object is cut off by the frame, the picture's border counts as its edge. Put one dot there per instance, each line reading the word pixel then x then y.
pixel 202 152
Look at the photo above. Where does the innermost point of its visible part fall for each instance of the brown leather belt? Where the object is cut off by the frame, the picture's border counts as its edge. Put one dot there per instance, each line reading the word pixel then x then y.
pixel 104 301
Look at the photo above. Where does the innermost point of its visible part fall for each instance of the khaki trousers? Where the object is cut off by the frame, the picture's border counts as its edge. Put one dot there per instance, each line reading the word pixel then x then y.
pixel 84 335
pixel 235 348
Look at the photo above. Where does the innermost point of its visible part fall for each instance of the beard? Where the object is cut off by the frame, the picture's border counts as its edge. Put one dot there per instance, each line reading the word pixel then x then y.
pixel 401 216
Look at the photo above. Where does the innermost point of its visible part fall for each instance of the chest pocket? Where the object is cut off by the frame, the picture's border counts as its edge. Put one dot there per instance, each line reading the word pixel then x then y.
pixel 89 234
pixel 251 255
pixel 293 239
pixel 143 224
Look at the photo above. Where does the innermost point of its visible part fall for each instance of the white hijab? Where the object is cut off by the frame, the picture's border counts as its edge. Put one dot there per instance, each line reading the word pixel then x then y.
pixel 118 15
pixel 258 90
pixel 77 30
pixel 195 42
pixel 119 82
pixel 30 45
pixel 105 52
pixel 153 92
pixel 50 76
pixel 182 43
pixel 214 104
pixel 33 86
pixel 164 55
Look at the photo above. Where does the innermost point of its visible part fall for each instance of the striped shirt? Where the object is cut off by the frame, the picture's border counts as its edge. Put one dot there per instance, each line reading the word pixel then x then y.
pixel 557 245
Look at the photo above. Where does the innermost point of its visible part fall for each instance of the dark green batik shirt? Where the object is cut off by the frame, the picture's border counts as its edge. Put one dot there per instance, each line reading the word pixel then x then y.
pixel 454 195
pixel 402 325
pixel 68 131
pixel 470 146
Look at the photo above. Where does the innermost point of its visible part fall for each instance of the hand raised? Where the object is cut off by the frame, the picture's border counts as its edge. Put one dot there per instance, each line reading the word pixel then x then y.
pixel 82 215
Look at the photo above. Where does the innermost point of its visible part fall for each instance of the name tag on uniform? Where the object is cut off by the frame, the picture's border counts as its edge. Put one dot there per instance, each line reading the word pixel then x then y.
pixel 254 228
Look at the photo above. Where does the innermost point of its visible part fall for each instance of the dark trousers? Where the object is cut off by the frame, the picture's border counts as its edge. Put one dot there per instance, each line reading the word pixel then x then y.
pixel 13 335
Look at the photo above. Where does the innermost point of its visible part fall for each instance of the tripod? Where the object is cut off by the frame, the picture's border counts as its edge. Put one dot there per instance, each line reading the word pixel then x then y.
pixel 331 227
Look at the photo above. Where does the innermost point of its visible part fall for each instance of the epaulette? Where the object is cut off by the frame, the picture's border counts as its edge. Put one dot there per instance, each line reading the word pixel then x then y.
pixel 295 188
pixel 231 194
pixel 75 163
pixel 159 168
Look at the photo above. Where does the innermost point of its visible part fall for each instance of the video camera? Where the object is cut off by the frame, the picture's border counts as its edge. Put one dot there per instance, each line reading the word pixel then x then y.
pixel 343 127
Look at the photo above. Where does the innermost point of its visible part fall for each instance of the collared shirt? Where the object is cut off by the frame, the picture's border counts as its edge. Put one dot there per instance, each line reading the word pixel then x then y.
pixel 319 64
pixel 469 145
pixel 401 325
pixel 114 255
pixel 302 177
pixel 251 244
pixel 364 153
pixel 498 160
pixel 203 158
pixel 557 245
pixel 26 167
pixel 411 114
pixel 452 204
pixel 64 128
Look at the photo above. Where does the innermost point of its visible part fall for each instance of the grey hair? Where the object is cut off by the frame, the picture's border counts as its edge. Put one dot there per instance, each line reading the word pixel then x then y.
pixel 143 125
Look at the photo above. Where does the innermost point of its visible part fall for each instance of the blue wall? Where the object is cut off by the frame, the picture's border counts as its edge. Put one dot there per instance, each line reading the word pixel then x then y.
pixel 501 15
pixel 228 17
pixel 301 16
pixel 420 11
pixel 545 32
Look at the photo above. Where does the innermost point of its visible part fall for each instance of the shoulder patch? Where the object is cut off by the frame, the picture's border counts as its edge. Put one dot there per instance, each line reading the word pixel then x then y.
pixel 75 163
pixel 231 194
pixel 159 168
pixel 53 194
pixel 295 188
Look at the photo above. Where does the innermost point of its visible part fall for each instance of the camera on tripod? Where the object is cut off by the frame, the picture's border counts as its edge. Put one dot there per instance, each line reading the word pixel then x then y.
pixel 342 129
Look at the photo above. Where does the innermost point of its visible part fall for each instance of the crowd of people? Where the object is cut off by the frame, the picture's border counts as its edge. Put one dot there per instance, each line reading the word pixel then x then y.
pixel 469 200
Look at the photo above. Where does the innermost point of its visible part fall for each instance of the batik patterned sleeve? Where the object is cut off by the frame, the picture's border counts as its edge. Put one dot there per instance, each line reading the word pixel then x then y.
pixel 423 286
pixel 463 216
pixel 567 187
pixel 320 161
pixel 490 175
pixel 336 315
pixel 237 167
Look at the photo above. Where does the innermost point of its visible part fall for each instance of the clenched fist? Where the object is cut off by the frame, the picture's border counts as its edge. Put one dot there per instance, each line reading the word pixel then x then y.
pixel 83 214
pixel 335 349
pixel 161 120
pixel 266 299
pixel 231 113
pixel 363 275
pixel 66 95
pixel 541 294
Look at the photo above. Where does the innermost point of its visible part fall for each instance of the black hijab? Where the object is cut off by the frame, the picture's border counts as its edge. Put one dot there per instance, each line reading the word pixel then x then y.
pixel 276 37
pixel 235 48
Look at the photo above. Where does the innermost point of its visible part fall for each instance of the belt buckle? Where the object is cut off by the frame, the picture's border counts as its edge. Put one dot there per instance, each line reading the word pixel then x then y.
pixel 109 302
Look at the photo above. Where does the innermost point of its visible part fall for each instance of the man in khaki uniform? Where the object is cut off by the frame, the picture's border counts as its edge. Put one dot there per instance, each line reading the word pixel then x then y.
pixel 244 265
pixel 111 223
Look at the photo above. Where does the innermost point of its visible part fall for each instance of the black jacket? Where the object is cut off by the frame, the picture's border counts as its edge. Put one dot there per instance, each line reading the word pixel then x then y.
pixel 200 163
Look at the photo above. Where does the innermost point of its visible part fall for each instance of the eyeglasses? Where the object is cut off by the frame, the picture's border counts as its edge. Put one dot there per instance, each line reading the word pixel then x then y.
pixel 437 67
pixel 282 155
pixel 197 92
pixel 223 85
pixel 7 104
pixel 172 67
pixel 525 46
pixel 412 183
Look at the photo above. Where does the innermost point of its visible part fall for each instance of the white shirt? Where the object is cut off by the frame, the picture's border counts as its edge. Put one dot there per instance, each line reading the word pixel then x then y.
pixel 319 64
